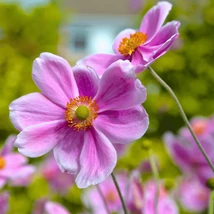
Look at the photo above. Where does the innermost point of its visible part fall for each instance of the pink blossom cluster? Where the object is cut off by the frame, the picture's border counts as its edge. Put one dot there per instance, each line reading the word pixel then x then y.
pixel 192 163
pixel 139 198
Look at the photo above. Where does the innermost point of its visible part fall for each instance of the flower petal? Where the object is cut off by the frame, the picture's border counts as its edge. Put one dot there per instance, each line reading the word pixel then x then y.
pixel 67 152
pixel 154 19
pixel 99 62
pixel 123 34
pixel 2 182
pixel 55 208
pixel 117 85
pixel 33 109
pixel 123 126
pixel 87 80
pixel 8 145
pixel 14 159
pixel 165 33
pixel 98 159
pixel 39 139
pixel 54 76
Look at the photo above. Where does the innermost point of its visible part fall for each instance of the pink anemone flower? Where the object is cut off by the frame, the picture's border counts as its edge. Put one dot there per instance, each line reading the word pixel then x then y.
pixel 13 166
pixel 166 204
pixel 192 195
pixel 141 47
pixel 80 116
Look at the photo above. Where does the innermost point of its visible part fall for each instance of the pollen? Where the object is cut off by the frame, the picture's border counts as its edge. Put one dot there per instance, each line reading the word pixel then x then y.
pixel 81 112
pixel 2 163
pixel 128 45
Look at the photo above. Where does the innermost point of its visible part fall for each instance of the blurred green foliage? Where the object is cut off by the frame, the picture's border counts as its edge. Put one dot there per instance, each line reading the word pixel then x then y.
pixel 23 36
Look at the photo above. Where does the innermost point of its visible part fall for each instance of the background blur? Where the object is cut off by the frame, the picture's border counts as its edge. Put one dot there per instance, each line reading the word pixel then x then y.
pixel 74 29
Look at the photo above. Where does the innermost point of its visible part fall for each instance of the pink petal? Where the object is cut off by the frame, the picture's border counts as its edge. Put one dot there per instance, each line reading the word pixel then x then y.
pixel 55 208
pixel 99 62
pixel 87 80
pixel 123 126
pixel 123 34
pixel 137 60
pixel 33 109
pixel 2 182
pixel 23 176
pixel 98 159
pixel 8 145
pixel 68 151
pixel 165 33
pixel 14 159
pixel 54 76
pixel 154 19
pixel 39 139
pixel 117 85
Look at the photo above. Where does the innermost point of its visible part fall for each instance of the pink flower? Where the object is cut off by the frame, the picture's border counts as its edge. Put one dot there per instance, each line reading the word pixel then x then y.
pixel 48 207
pixel 131 189
pixel 60 182
pixel 186 153
pixel 166 204
pixel 4 203
pixel 13 166
pixel 80 115
pixel 93 199
pixel 192 195
pixel 141 47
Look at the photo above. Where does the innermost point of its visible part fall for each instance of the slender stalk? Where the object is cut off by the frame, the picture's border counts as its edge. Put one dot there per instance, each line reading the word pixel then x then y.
pixel 211 204
pixel 119 192
pixel 103 198
pixel 183 115
pixel 156 177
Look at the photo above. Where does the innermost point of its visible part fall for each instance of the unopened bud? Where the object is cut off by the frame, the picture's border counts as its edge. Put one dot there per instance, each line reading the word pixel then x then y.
pixel 210 183
pixel 146 144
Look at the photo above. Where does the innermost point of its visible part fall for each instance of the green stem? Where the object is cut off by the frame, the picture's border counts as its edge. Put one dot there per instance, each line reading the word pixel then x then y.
pixel 183 115
pixel 211 204
pixel 156 177
pixel 103 198
pixel 119 192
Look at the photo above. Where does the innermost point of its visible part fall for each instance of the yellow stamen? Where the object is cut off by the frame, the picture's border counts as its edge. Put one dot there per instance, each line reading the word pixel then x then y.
pixel 81 112
pixel 111 196
pixel 128 45
pixel 2 162
pixel 199 127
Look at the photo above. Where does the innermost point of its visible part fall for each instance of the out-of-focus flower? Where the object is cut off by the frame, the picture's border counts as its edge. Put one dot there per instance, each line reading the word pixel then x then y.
pixel 4 203
pixel 13 166
pixel 135 194
pixel 79 116
pixel 141 47
pixel 93 199
pixel 186 153
pixel 166 204
pixel 43 206
pixel 60 182
pixel 192 195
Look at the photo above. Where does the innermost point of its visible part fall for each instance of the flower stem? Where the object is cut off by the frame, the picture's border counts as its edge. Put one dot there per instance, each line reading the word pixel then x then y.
pixel 103 198
pixel 156 177
pixel 211 204
pixel 119 192
pixel 183 115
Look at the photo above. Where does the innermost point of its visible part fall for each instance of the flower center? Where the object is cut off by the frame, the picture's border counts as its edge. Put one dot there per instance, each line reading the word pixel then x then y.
pixel 199 127
pixel 81 112
pixel 2 162
pixel 128 45
pixel 111 196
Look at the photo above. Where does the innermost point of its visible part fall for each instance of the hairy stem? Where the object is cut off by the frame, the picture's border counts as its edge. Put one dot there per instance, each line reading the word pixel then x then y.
pixel 211 204
pixel 183 115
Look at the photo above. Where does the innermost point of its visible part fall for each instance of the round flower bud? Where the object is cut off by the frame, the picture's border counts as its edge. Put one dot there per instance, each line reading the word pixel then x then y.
pixel 210 183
